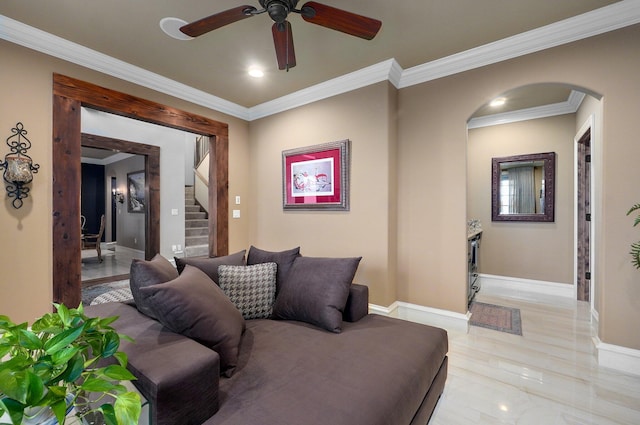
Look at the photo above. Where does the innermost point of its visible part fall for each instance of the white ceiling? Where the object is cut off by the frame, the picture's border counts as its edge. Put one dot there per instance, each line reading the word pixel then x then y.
pixel 419 40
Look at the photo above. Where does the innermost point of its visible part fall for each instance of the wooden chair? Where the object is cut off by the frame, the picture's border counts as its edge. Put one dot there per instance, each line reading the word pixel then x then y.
pixel 92 241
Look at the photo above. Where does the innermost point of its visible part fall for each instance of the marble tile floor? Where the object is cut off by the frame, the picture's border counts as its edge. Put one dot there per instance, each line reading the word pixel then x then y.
pixel 548 376
pixel 115 263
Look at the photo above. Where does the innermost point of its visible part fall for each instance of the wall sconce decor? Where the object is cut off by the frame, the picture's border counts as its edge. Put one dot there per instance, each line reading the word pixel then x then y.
pixel 18 166
pixel 117 195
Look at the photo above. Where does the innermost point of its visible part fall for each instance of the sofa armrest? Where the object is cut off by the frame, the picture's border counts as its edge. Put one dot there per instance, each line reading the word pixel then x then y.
pixel 357 304
pixel 183 388
pixel 178 376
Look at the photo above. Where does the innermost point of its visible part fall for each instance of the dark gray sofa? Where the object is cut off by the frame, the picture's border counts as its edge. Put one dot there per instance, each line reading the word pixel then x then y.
pixel 377 371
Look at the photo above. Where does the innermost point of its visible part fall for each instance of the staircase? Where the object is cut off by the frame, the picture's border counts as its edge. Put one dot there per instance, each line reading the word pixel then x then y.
pixel 196 226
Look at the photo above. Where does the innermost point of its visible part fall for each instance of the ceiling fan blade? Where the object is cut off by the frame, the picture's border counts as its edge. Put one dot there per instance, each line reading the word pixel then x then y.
pixel 340 20
pixel 283 40
pixel 210 23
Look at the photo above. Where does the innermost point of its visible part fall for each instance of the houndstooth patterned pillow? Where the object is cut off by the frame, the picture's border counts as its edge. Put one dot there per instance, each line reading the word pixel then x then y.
pixel 252 289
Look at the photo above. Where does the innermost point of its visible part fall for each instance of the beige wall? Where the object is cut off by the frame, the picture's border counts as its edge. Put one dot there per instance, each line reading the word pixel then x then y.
pixel 410 194
pixel 538 251
pixel 366 117
pixel 432 164
pixel 26 92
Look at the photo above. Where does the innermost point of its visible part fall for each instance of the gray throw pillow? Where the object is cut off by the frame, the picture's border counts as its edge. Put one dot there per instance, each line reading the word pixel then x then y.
pixel 252 289
pixel 193 306
pixel 316 291
pixel 210 265
pixel 145 273
pixel 284 260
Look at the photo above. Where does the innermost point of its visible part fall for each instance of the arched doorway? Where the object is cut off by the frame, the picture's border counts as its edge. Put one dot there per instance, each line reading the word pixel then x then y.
pixel 535 254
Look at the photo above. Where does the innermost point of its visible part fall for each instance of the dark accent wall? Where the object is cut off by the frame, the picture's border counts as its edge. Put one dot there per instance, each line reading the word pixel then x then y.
pixel 92 201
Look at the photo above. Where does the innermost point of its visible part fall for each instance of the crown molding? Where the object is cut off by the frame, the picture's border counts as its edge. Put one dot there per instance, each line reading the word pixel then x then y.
pixel 599 21
pixel 570 106
pixel 383 71
pixel 608 18
pixel 44 42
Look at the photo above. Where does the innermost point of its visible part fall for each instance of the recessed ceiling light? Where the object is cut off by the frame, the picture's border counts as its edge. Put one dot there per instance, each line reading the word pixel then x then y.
pixel 171 27
pixel 499 101
pixel 256 72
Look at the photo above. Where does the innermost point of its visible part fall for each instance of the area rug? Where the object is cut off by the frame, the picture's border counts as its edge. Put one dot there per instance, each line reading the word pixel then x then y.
pixel 91 292
pixel 496 317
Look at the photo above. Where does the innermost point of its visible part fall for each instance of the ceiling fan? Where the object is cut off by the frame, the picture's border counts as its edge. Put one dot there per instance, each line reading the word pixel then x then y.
pixel 278 10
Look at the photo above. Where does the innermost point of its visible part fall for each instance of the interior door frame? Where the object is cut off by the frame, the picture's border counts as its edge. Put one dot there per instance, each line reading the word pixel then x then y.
pixel 151 178
pixel 584 293
pixel 69 95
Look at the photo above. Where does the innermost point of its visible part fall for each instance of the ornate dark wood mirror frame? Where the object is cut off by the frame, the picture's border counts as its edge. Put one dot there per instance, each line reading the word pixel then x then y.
pixel 69 95
pixel 549 170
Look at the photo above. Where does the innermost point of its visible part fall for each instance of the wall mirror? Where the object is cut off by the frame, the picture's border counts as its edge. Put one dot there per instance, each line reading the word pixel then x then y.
pixel 523 187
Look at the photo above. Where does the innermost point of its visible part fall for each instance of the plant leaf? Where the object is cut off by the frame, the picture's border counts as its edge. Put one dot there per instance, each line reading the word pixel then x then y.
pixel 15 410
pixel 74 370
pixel 14 384
pixel 35 389
pixel 60 410
pixel 48 323
pixel 64 355
pixel 122 358
pixel 633 208
pixel 62 340
pixel 64 314
pixel 118 373
pixel 109 414
pixel 106 321
pixel 97 385
pixel 29 340
pixel 127 408
pixel 111 342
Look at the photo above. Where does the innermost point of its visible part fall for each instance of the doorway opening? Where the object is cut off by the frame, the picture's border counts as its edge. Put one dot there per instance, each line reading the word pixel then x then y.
pixel 69 95
pixel 143 239
pixel 584 286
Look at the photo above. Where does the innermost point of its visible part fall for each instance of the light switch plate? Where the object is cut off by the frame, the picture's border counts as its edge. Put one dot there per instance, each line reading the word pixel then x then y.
pixel 236 213
pixel 237 200
pixel 174 211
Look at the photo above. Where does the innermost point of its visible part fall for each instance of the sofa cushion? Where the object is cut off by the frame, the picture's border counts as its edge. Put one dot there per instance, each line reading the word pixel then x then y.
pixel 252 289
pixel 210 265
pixel 284 260
pixel 145 273
pixel 193 306
pixel 316 291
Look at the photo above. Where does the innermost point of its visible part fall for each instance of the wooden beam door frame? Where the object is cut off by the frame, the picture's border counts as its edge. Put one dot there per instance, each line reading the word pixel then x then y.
pixel 69 95
pixel 152 182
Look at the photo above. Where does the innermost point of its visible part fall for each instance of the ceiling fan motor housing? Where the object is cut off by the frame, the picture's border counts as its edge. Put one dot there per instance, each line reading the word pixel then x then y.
pixel 278 10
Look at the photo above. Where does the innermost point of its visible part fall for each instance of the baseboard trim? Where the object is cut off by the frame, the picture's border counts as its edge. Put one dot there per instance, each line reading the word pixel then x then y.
pixel 505 283
pixel 616 357
pixel 449 320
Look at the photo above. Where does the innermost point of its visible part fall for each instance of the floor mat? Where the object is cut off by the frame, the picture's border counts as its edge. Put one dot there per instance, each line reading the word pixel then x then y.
pixel 496 317
pixel 91 292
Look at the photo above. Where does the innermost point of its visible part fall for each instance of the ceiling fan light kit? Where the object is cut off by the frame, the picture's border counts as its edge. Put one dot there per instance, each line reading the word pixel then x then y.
pixel 278 10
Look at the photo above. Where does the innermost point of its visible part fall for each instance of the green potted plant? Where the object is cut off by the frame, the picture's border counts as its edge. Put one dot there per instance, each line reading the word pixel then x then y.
pixel 55 365
pixel 635 247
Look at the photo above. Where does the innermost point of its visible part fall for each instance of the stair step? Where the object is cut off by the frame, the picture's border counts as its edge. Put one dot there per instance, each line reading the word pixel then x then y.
pixel 196 251
pixel 195 216
pixel 196 223
pixel 196 240
pixel 196 231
